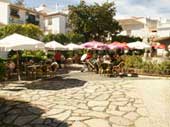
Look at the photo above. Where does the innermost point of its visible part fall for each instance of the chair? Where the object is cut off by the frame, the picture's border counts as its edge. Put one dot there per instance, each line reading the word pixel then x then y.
pixel 90 66
pixel 118 69
pixel 103 68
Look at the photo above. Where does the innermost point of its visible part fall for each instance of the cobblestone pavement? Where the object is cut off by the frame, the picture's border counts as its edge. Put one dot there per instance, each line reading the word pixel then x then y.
pixel 74 100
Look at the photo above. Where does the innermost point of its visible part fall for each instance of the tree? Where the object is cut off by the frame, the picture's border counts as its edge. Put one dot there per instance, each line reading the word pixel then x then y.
pixel 61 38
pixel 29 30
pixel 20 2
pixel 32 31
pixel 122 38
pixel 75 37
pixel 49 37
pixel 94 21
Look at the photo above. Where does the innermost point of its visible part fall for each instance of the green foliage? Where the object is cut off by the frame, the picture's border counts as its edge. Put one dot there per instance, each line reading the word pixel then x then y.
pixel 32 31
pixel 2 60
pixel 49 37
pixel 147 67
pixel 75 37
pixel 50 55
pixel 61 38
pixel 122 38
pixel 65 38
pixel 36 55
pixel 2 68
pixel 132 61
pixel 29 30
pixel 94 21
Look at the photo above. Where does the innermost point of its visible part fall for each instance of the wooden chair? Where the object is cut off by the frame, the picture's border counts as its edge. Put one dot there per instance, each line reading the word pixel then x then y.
pixel 103 68
pixel 90 66
pixel 118 69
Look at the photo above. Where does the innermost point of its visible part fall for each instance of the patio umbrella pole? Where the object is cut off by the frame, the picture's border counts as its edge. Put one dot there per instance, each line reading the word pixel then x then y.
pixel 19 76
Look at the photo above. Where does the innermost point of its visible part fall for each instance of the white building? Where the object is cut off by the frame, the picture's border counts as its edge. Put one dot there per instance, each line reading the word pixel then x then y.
pixel 139 27
pixel 49 22
pixel 163 28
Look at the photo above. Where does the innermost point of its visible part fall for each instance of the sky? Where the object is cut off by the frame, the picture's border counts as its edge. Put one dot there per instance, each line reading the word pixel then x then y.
pixel 124 8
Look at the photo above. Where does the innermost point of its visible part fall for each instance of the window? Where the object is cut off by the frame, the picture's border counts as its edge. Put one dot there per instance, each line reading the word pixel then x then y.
pixel 50 21
pixel 32 19
pixel 14 13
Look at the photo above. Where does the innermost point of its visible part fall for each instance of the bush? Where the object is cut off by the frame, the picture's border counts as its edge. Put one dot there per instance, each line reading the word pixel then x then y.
pixel 2 60
pixel 2 71
pixel 122 38
pixel 148 67
pixel 35 55
pixel 132 61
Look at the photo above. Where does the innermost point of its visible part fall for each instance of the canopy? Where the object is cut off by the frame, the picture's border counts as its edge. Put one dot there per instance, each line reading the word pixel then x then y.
pixel 116 44
pixel 94 45
pixel 72 46
pixel 160 46
pixel 53 45
pixel 20 42
pixel 138 45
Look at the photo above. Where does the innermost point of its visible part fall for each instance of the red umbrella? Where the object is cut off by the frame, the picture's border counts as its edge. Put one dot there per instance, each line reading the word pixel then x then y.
pixel 161 46
pixel 118 45
pixel 94 45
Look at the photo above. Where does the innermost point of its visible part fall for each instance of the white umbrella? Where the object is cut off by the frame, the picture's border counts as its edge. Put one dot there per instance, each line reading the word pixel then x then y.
pixel 53 45
pixel 72 46
pixel 18 42
pixel 138 45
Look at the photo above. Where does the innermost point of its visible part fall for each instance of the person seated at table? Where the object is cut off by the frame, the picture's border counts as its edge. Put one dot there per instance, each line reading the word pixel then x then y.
pixel 98 63
pixel 11 65
pixel 30 62
pixel 76 58
pixel 89 56
pixel 10 68
pixel 63 59
pixel 85 58
pixel 116 59
pixel 99 59
pixel 106 59
pixel 54 66
pixel 57 58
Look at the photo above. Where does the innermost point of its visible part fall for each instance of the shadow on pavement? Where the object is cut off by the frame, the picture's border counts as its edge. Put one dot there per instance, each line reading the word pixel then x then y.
pixel 15 113
pixel 57 83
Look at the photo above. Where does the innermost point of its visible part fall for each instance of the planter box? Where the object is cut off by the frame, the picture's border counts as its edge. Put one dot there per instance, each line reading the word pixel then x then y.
pixel 146 72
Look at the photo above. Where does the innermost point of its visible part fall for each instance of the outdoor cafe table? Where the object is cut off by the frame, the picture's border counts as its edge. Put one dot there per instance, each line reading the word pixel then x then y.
pixel 33 69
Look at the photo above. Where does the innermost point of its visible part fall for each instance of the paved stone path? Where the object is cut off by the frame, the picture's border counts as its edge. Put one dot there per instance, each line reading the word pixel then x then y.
pixel 73 102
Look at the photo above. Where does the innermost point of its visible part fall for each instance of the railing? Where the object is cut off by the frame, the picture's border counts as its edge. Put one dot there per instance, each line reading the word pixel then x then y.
pixel 16 21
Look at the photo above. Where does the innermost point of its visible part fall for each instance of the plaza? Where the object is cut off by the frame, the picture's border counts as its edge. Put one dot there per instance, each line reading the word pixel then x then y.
pixel 85 99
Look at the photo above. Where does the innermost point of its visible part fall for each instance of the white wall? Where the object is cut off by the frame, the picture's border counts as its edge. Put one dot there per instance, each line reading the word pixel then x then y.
pixel 163 33
pixel 136 30
pixel 163 29
pixel 62 24
pixel 56 25
pixel 4 12
pixel 42 22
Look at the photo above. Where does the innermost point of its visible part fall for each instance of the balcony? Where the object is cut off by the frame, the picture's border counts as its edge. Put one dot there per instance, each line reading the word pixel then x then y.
pixel 33 22
pixel 15 21
pixel 32 19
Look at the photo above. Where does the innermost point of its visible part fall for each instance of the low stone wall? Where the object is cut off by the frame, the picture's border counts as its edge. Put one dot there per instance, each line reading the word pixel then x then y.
pixel 148 72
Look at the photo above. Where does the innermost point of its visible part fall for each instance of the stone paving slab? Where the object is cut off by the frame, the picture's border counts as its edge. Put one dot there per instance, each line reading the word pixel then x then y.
pixel 73 101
